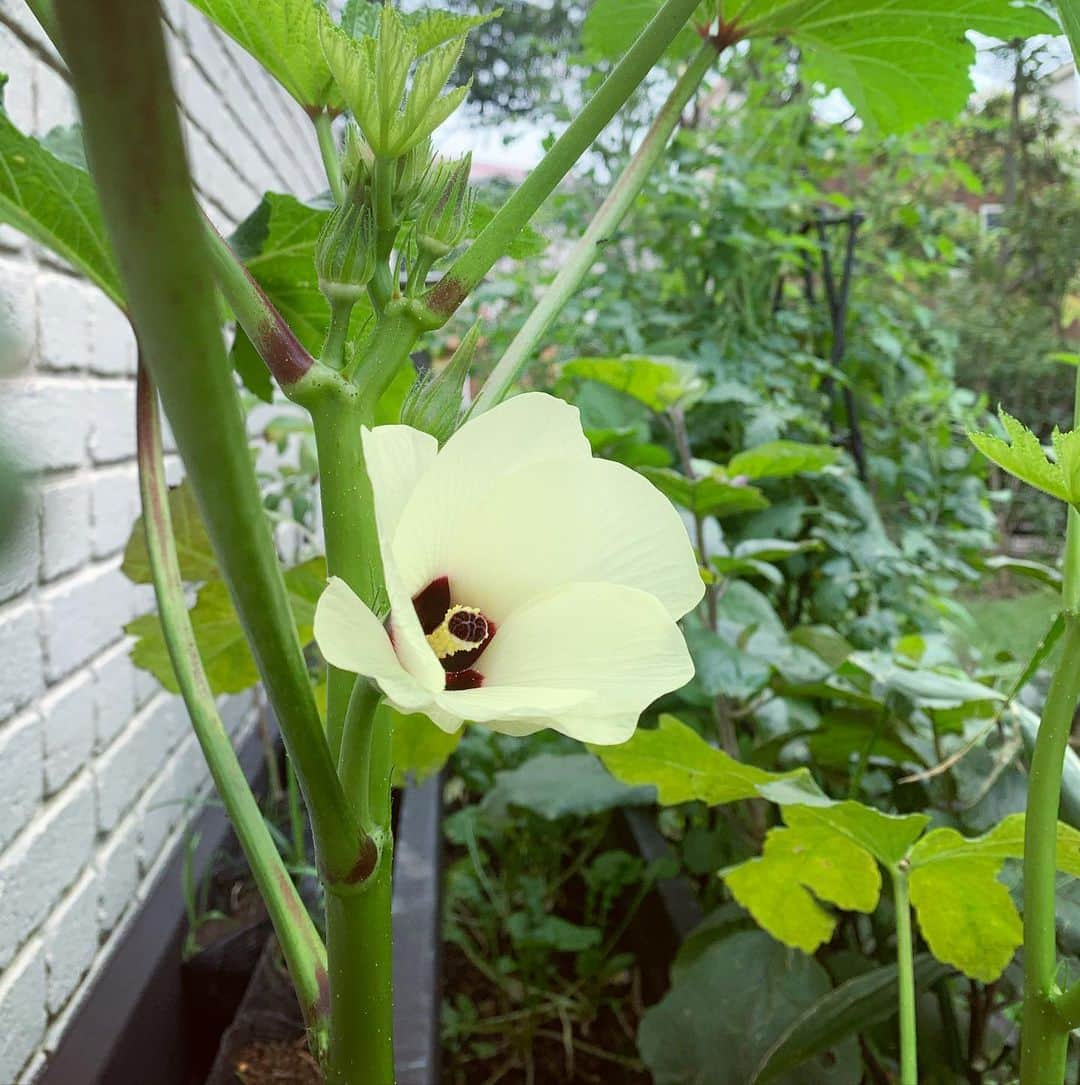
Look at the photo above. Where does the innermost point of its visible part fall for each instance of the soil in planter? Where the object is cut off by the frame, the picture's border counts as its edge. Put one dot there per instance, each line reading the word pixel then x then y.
pixel 262 1063
pixel 540 1048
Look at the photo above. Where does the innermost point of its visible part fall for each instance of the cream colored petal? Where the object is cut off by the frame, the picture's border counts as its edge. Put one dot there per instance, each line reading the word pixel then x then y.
pixel 397 457
pixel 555 523
pixel 352 638
pixel 620 643
pixel 491 704
pixel 527 429
pixel 408 638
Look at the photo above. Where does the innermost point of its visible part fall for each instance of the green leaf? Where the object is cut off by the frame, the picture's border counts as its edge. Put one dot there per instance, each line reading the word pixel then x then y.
pixel 659 383
pixel 433 28
pixel 550 932
pixel 1023 456
pixel 684 767
pixel 612 25
pixel 728 1010
pixel 798 868
pixel 853 1007
pixel 55 203
pixel 965 912
pixel 782 459
pixel 899 63
pixel 250 368
pixel 283 36
pixel 420 748
pixel 553 787
pixel 225 654
pixel 1069 10
pixel 882 673
pixel 1038 571
pixel 276 242
pixel 192 543
pixel 723 669
pixel 711 495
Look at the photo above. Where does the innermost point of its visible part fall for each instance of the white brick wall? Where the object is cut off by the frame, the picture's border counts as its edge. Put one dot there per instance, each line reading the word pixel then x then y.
pixel 98 768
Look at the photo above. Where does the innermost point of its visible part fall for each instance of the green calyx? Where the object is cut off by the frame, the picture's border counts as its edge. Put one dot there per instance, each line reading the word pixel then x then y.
pixel 446 207
pixel 435 403
pixel 345 251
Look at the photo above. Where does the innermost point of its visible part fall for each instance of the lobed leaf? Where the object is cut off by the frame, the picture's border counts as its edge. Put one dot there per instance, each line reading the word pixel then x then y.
pixel 1022 455
pixel 684 767
pixel 193 549
pixel 223 646
pixel 283 36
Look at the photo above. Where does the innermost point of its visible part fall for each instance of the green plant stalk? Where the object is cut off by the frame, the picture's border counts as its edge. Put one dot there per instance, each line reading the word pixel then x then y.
pixel 301 946
pixel 382 286
pixel 116 54
pixel 611 212
pixel 1044 1035
pixel 324 132
pixel 905 970
pixel 494 240
pixel 275 342
pixel 333 351
pixel 359 924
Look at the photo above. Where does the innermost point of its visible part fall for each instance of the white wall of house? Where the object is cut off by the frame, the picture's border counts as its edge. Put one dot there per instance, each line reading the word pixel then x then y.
pixel 95 759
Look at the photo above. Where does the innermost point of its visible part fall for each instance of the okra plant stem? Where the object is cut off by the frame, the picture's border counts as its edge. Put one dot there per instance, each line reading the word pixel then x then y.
pixel 116 53
pixel 300 944
pixel 493 241
pixel 582 256
pixel 905 970
pixel 324 131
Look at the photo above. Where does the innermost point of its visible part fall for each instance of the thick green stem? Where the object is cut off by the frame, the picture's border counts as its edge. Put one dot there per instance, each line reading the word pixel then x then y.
pixel 494 240
pixel 301 946
pixel 359 925
pixel 1044 1038
pixel 116 53
pixel 324 130
pixel 575 266
pixel 270 334
pixel 905 970
pixel 382 286
pixel 359 943
pixel 352 541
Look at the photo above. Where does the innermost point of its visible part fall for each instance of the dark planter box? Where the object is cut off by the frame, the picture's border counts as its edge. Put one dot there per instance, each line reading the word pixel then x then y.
pixel 149 1012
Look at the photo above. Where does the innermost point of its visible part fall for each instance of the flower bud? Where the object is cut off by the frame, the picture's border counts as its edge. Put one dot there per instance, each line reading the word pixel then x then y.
pixel 435 403
pixel 412 171
pixel 447 206
pixel 345 251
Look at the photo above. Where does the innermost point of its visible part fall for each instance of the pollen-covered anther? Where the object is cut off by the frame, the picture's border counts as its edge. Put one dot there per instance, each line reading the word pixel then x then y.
pixel 462 629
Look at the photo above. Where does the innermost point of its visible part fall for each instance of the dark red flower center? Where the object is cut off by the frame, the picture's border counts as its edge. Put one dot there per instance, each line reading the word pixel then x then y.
pixel 457 633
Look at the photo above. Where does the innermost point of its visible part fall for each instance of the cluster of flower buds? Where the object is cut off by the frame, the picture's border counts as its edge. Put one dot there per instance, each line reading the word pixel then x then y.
pixel 446 206
pixel 436 402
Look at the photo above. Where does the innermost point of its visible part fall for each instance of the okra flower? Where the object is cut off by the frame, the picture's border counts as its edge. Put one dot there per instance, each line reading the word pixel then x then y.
pixel 530 585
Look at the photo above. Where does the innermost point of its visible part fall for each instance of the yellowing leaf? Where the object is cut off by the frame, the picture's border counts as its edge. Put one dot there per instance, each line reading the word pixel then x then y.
pixel 965 913
pixel 967 916
pixel 684 767
pixel 800 866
